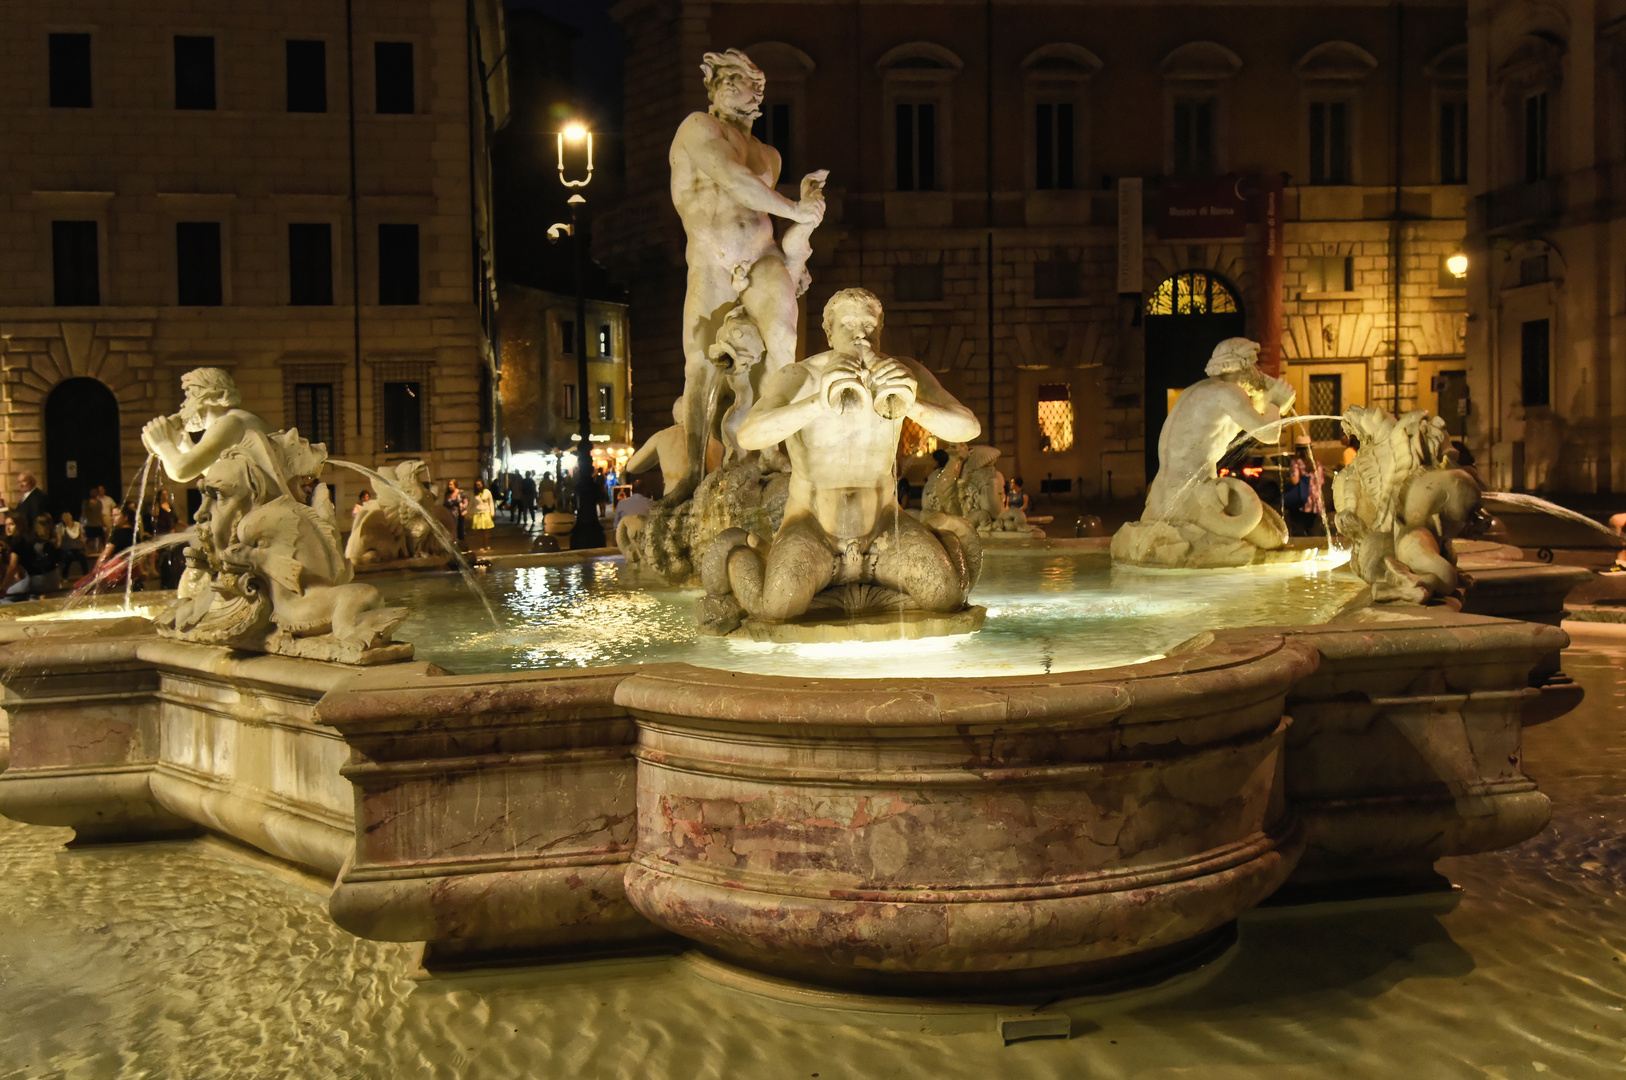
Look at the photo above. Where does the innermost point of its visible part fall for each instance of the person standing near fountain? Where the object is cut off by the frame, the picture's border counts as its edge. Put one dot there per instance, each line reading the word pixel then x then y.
pixel 723 182
pixel 484 517
pixel 1193 516
pixel 840 414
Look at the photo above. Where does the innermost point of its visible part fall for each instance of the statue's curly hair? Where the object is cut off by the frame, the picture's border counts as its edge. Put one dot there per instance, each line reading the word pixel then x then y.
pixel 713 64
pixel 214 386
pixel 853 296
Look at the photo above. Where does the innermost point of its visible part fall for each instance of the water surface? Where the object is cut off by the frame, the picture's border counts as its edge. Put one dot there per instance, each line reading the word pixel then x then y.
pixel 1047 611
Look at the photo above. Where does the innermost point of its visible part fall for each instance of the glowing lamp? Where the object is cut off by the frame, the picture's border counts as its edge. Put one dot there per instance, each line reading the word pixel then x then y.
pixel 1457 265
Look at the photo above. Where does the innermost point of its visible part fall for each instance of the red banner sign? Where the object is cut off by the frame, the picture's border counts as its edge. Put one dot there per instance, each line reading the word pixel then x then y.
pixel 1206 209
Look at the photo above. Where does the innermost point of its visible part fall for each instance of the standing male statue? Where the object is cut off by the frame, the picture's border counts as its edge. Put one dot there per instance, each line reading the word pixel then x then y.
pixel 723 187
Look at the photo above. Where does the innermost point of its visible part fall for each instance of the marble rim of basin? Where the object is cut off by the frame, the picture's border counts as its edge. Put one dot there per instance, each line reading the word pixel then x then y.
pixel 950 836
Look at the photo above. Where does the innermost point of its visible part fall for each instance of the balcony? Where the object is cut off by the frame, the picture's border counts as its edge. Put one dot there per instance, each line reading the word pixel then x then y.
pixel 1520 205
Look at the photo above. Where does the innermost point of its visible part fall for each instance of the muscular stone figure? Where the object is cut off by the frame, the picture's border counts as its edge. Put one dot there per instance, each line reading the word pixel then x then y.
pixel 723 187
pixel 1210 520
pixel 210 407
pixel 839 414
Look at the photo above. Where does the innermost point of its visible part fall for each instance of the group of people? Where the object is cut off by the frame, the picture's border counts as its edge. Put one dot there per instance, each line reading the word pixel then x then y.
pixel 42 554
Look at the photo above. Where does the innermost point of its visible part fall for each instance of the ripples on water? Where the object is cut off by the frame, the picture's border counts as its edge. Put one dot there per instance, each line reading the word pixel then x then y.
pixel 187 959
pixel 1047 611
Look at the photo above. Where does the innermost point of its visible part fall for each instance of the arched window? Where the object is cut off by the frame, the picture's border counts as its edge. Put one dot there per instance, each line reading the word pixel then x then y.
pixel 1192 292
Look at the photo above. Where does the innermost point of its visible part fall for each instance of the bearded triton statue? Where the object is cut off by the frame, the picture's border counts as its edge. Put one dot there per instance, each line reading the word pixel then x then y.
pixel 1194 517
pixel 266 570
pixel 1402 501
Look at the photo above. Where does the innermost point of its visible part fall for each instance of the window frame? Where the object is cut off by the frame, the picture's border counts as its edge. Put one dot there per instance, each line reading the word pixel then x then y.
pixel 334 283
pixel 214 38
pixel 393 371
pixel 1199 71
pixel 418 64
pixel 90 66
pixel 220 262
pixel 905 80
pixel 1058 74
pixel 100 249
pixel 379 262
pixel 333 374
pixel 287 75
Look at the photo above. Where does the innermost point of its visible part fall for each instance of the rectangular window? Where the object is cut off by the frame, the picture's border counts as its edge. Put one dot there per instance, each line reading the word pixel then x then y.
pixel 194 72
pixel 393 83
pixel 916 146
pixel 604 347
pixel 773 128
pixel 1057 279
pixel 1326 399
pixel 567 336
pixel 313 412
pixel 1055 417
pixel 1535 137
pixel 403 417
pixel 1535 350
pixel 1053 146
pixel 918 283
pixel 310 264
pixel 397 264
pixel 1453 142
pixel 197 263
pixel 75 264
pixel 1194 137
pixel 70 70
pixel 307 76
pixel 571 411
pixel 1329 142
pixel 606 402
pixel 1329 274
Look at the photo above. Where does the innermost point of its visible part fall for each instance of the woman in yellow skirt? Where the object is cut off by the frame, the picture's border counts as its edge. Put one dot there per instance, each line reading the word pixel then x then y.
pixel 483 517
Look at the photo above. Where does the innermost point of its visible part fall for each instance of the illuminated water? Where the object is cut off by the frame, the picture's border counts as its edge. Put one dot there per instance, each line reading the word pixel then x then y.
pixel 1047 611
pixel 189 960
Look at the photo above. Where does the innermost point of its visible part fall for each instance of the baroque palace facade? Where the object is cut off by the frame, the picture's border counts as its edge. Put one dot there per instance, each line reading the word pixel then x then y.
pixel 1064 205
pixel 1547 241
pixel 294 192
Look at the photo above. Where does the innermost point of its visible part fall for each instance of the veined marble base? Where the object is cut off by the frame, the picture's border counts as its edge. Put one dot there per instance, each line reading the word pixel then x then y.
pixel 908 835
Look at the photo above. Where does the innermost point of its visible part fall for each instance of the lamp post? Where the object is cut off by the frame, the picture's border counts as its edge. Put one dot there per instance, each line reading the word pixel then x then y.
pixel 587 532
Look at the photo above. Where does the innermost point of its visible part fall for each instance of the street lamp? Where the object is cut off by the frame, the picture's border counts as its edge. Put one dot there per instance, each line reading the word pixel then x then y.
pixel 587 532
pixel 1456 264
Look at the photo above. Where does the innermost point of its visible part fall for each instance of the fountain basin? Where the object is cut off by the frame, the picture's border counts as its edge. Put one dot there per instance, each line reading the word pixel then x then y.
pixel 919 834
pixel 933 835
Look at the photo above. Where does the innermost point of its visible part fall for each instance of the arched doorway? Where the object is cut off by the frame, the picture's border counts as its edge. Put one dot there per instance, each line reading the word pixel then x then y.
pixel 81 443
pixel 1186 316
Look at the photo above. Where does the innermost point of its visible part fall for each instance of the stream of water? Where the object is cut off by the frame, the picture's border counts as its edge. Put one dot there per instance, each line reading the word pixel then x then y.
pixel 447 541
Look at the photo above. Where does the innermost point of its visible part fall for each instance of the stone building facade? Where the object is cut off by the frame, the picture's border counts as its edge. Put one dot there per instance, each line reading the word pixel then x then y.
pixel 1034 189
pixel 187 184
pixel 540 376
pixel 1547 242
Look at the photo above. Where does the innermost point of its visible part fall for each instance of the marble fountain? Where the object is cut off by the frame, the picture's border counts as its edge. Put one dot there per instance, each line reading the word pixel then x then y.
pixel 798 729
